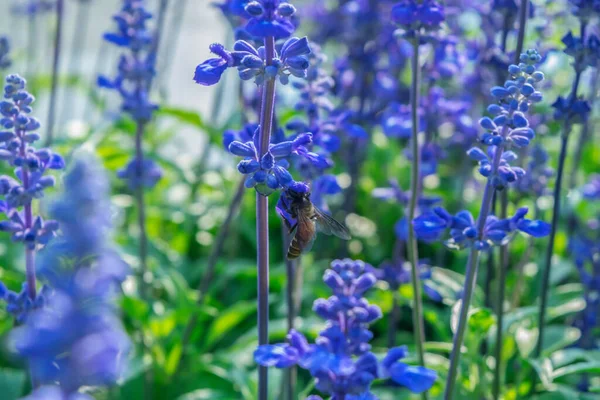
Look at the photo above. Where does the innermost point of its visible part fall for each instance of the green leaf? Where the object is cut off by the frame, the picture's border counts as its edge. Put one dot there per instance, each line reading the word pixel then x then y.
pixel 228 320
pixel 11 383
pixel 187 116
pixel 557 337
pixel 566 357
pixel 588 367
pixel 203 394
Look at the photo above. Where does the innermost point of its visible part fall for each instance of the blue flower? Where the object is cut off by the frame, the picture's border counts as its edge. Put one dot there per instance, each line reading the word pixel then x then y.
pixel 586 52
pixel 209 72
pixel 31 166
pixel 464 232
pixel 75 339
pixel 146 175
pixel 270 18
pixel 508 125
pixel 137 66
pixel 591 190
pixel 570 110
pixel 290 60
pixel 269 173
pixel 341 361
pixel 410 14
pixel 5 60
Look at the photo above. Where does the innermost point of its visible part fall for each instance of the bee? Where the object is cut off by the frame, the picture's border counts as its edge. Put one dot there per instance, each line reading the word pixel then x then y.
pixel 308 220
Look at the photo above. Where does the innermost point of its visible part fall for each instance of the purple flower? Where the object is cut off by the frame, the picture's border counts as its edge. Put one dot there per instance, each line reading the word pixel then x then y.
pixel 464 232
pixel 136 68
pixel 5 60
pixel 75 339
pixel 591 190
pixel 270 18
pixel 341 361
pixel 209 72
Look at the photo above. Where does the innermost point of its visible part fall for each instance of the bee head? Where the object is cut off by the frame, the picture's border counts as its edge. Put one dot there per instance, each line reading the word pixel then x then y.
pixel 299 191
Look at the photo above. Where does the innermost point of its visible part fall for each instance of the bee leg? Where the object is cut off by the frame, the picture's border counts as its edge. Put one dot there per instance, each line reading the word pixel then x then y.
pixel 292 228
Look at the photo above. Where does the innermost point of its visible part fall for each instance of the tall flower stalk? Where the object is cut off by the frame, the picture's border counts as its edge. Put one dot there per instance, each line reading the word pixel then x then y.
pixel 415 17
pixel 30 166
pixel 509 128
pixel 568 111
pixel 265 164
pixel 133 82
pixel 504 250
pixel 413 251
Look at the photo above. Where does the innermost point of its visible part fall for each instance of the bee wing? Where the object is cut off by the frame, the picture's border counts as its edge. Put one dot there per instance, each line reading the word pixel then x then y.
pixel 330 226
pixel 306 229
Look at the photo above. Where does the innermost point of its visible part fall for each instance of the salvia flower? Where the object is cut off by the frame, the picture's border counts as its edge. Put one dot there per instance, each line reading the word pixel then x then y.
pixel 136 71
pixel 508 127
pixel 19 304
pixel 341 361
pixel 269 172
pixel 151 173
pixel 270 18
pixel 31 166
pixel 585 51
pixel 463 228
pixel 591 190
pixel 137 66
pixel 5 60
pixel 571 110
pixel 75 339
pixel 414 15
pixel 290 60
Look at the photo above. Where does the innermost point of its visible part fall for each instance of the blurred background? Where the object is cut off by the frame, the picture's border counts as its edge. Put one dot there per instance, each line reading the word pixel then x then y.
pixel 190 204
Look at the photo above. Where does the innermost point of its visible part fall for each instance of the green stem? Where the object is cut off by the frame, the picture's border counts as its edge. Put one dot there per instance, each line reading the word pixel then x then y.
pixel 413 252
pixel 502 267
pixel 471 274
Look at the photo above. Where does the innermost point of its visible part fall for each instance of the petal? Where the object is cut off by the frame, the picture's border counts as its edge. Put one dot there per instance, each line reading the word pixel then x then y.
pixel 209 72
pixel 416 379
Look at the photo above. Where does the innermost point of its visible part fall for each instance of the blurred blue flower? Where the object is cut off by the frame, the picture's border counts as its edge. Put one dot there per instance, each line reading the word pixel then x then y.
pixel 75 339
pixel 5 60
pixel 31 7
pixel 341 361
pixel 591 190
pixel 414 15
pixel 270 18
pixel 570 110
pixel 148 178
pixel 137 66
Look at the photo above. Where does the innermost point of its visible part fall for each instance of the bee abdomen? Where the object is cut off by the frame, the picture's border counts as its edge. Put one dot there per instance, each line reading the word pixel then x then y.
pixel 294 250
